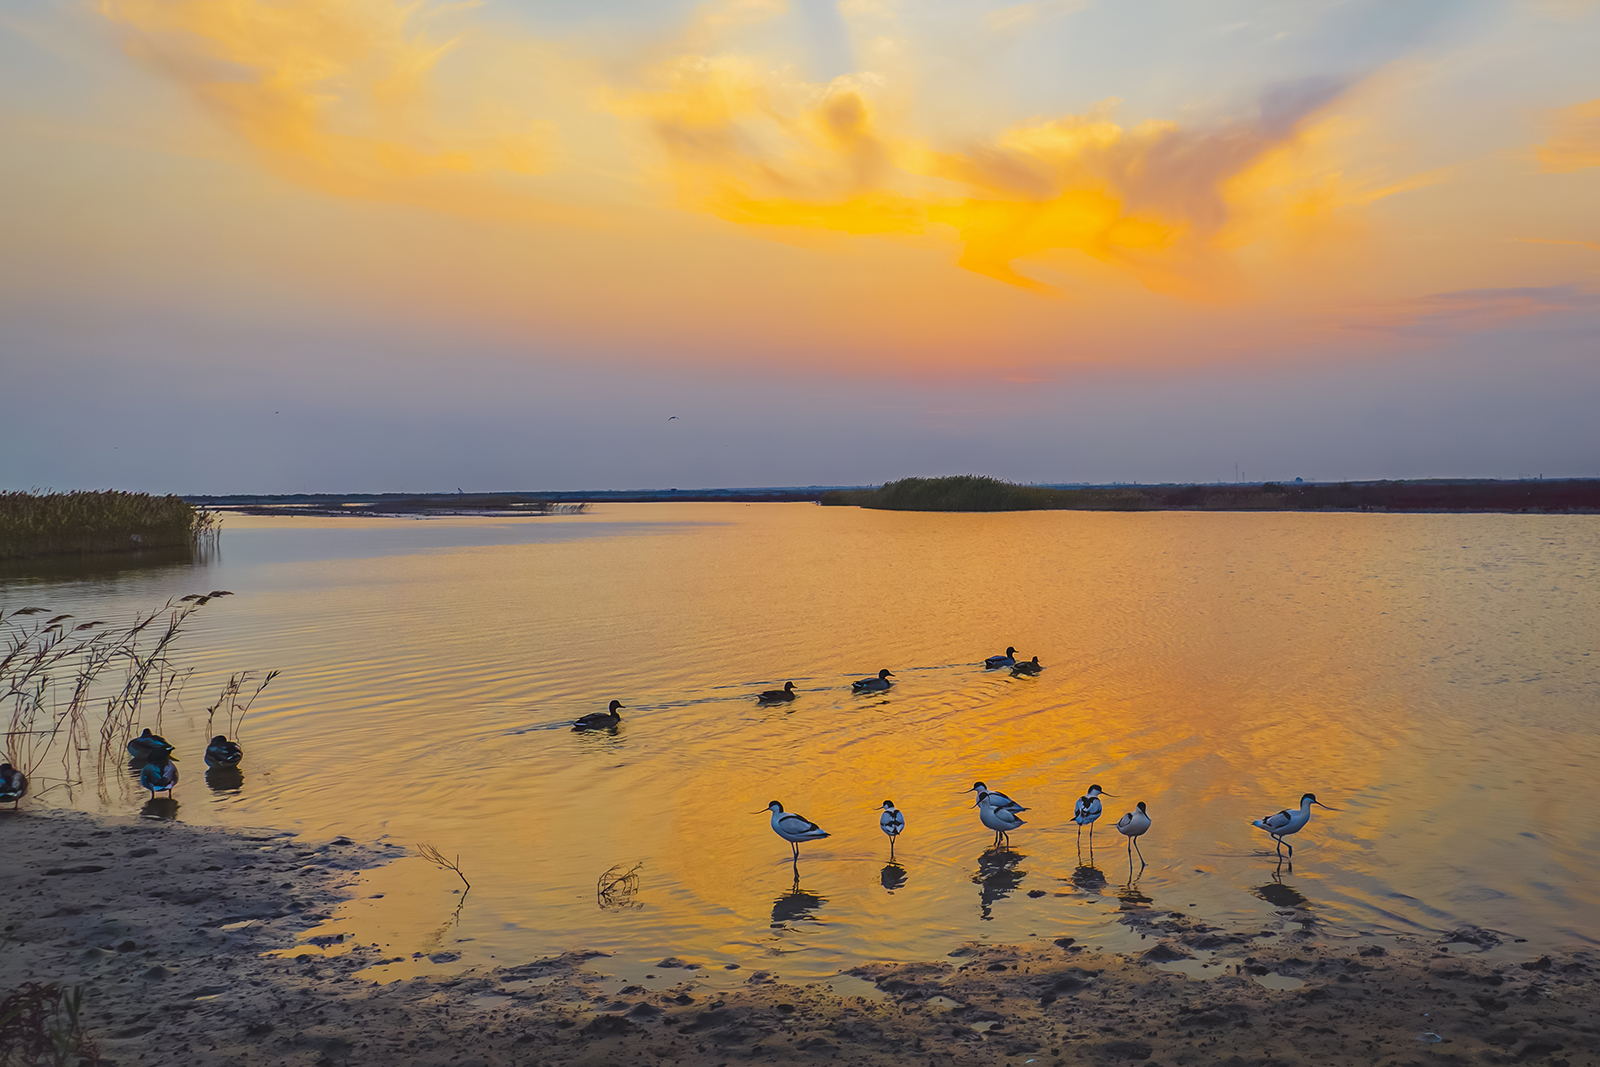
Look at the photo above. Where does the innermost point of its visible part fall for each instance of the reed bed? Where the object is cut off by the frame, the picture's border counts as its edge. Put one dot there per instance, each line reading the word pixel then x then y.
pixel 77 690
pixel 49 524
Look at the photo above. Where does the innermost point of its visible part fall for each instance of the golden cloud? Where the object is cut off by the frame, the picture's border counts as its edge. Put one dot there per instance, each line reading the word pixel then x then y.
pixel 1157 200
pixel 1574 142
pixel 334 95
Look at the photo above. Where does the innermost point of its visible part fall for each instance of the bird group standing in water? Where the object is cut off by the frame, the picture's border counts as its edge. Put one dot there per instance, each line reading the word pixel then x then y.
pixel 996 811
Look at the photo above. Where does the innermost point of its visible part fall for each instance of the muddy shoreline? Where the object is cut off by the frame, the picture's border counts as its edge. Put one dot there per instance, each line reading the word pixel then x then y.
pixel 190 943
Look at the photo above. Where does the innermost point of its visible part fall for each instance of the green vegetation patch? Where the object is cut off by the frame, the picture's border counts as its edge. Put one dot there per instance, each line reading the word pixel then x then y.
pixel 50 524
pixel 976 492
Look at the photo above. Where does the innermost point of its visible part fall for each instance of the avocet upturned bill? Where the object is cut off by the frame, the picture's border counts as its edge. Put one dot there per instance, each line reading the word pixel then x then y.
pixel 159 776
pixel 892 823
pixel 870 685
pixel 994 798
pixel 793 828
pixel 600 720
pixel 994 663
pixel 1027 666
pixel 777 696
pixel 1286 822
pixel 13 785
pixel 1001 820
pixel 1132 826
pixel 1088 810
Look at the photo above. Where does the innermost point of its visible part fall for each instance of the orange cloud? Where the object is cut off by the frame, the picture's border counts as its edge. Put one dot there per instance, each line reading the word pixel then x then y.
pixel 1574 142
pixel 335 96
pixel 1157 200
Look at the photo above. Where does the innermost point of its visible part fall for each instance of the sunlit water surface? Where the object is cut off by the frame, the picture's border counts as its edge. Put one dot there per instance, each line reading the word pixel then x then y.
pixel 1430 675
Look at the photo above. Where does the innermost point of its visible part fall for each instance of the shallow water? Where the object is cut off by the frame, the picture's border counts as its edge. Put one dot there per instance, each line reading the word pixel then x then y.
pixel 1431 676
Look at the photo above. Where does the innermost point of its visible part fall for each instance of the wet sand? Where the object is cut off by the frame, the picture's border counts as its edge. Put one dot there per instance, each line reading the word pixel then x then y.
pixel 185 941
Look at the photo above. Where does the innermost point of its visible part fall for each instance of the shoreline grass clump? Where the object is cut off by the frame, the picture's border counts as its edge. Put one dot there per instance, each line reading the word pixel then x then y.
pixel 54 524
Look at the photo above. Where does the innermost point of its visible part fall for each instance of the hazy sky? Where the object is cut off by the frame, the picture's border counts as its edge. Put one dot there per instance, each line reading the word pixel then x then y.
pixel 360 245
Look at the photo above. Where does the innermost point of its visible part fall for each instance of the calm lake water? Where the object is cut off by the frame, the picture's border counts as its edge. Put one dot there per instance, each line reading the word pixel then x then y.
pixel 1433 676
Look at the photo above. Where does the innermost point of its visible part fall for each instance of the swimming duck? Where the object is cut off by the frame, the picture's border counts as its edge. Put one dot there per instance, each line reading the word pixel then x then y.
pixel 13 784
pixel 1030 666
pixel 793 828
pixel 1288 822
pixel 600 720
pixel 999 819
pixel 159 775
pixel 223 753
pixel 776 696
pixel 996 662
pixel 1088 810
pixel 868 685
pixel 149 746
pixel 994 798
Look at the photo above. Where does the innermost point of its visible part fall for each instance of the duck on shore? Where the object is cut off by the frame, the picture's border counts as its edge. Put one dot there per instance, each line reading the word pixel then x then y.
pixel 223 753
pixel 13 785
pixel 872 685
pixel 994 663
pixel 149 746
pixel 600 720
pixel 159 775
pixel 777 696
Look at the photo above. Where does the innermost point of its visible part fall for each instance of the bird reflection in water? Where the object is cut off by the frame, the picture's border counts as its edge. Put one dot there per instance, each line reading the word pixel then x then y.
pixel 160 808
pixel 893 876
pixel 1133 897
pixel 796 905
pixel 1279 893
pixel 1088 877
pixel 224 779
pixel 997 877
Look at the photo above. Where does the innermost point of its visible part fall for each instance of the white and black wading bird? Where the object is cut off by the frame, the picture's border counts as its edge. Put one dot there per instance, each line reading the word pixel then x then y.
pixel 1133 826
pixel 1287 821
pixel 793 828
pixel 1088 810
pixel 892 823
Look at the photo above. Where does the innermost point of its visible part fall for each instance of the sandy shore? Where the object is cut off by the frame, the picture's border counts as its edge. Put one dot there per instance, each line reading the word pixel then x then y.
pixel 178 935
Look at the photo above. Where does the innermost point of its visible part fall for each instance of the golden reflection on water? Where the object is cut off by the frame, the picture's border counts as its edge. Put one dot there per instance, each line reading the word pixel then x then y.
pixel 1429 675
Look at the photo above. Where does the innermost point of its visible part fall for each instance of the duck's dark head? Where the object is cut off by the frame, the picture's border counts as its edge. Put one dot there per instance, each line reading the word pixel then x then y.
pixel 6 768
pixel 147 732
pixel 886 673
pixel 788 687
pixel 615 704
pixel 1140 806
pixel 220 739
pixel 1010 651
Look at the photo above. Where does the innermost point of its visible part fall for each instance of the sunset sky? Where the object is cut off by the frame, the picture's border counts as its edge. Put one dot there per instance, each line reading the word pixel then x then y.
pixel 359 245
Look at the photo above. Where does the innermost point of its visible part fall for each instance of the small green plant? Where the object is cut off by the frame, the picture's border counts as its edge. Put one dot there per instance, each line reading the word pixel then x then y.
pixel 43 1024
